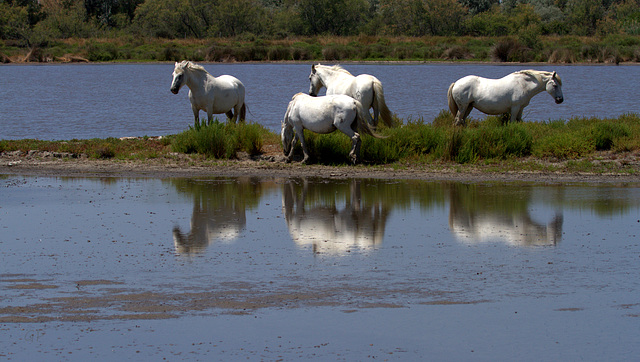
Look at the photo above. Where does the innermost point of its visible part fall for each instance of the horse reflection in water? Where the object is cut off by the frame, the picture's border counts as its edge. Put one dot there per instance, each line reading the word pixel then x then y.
pixel 218 212
pixel 476 217
pixel 319 220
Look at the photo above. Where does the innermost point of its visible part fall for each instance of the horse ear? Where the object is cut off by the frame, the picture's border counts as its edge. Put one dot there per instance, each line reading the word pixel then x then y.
pixel 554 75
pixel 313 68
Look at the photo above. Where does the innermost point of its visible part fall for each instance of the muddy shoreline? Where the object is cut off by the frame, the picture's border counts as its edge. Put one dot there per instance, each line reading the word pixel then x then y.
pixel 274 166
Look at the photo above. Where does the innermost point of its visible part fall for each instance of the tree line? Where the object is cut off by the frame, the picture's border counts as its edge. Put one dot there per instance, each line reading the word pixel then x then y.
pixel 35 22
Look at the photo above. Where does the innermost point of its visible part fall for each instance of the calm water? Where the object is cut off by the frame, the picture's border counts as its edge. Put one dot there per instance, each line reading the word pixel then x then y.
pixel 300 268
pixel 116 100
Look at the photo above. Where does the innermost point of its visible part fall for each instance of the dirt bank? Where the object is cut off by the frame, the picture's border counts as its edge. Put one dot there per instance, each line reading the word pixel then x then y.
pixel 272 164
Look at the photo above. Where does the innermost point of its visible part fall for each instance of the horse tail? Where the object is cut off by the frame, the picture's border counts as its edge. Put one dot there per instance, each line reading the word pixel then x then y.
pixel 378 98
pixel 363 125
pixel 289 108
pixel 453 106
pixel 243 112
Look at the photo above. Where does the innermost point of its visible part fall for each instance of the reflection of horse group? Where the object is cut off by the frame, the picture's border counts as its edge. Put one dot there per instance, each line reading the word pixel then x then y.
pixel 328 226
pixel 218 211
pixel 475 217
pixel 225 94
pixel 352 215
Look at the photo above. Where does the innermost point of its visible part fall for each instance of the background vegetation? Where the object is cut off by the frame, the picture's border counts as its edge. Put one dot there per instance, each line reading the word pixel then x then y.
pixel 244 30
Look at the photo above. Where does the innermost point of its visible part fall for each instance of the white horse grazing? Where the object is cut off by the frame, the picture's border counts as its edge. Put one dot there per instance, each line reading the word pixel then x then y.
pixel 366 88
pixel 323 115
pixel 214 95
pixel 498 96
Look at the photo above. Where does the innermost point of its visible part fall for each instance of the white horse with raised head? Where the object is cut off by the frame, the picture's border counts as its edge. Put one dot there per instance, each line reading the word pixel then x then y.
pixel 323 115
pixel 366 88
pixel 498 96
pixel 214 95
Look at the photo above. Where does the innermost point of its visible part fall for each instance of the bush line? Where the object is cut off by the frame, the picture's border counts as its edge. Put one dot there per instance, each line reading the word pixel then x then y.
pixel 553 49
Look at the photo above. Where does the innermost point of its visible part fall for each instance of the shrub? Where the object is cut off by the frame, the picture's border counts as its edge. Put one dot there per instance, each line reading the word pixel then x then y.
pixel 508 50
pixel 605 134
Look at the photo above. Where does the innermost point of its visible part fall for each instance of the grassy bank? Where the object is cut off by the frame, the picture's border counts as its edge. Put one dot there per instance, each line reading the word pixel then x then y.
pixel 579 144
pixel 531 48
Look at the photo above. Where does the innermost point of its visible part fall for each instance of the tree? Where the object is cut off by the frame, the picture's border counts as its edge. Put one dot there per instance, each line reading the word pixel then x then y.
pixel 478 6
pixel 334 17
pixel 583 15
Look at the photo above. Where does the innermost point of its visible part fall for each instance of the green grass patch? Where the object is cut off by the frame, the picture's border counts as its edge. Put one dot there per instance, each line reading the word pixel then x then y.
pixel 588 144
pixel 220 140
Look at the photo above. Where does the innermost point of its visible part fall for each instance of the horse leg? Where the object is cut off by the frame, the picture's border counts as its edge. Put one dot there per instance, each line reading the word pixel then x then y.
pixel 293 143
pixel 518 115
pixel 355 148
pixel 196 117
pixel 209 117
pixel 230 116
pixel 349 128
pixel 467 112
pixel 300 135
pixel 462 114
pixel 376 113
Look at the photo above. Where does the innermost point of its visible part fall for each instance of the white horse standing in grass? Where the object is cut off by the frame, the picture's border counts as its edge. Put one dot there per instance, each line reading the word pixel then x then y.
pixel 214 95
pixel 498 96
pixel 366 88
pixel 323 115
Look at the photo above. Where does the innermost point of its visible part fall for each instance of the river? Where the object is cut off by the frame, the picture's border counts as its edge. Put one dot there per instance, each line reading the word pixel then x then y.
pixel 67 101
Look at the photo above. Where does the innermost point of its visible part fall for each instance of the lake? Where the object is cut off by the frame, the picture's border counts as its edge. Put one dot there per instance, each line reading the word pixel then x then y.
pixel 66 101
pixel 291 268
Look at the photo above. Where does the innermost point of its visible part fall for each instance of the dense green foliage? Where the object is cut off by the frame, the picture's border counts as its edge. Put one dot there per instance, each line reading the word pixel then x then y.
pixel 522 30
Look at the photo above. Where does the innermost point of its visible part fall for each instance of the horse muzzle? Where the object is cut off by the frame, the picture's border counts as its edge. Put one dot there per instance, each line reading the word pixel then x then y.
pixel 559 100
pixel 313 94
pixel 175 90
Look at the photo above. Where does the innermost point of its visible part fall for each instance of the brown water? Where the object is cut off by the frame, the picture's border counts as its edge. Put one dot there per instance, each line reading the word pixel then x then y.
pixel 302 268
pixel 116 100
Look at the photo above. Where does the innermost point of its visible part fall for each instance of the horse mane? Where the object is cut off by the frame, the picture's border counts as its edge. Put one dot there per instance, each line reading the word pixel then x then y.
pixel 297 94
pixel 539 75
pixel 186 64
pixel 335 68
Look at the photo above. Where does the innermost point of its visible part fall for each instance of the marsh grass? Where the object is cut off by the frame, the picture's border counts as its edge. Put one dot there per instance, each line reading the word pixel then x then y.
pixel 490 142
pixel 93 148
pixel 483 140
pixel 220 140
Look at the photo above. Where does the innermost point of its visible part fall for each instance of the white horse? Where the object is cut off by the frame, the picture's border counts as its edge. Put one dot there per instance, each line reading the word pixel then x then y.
pixel 498 96
pixel 323 115
pixel 366 88
pixel 214 95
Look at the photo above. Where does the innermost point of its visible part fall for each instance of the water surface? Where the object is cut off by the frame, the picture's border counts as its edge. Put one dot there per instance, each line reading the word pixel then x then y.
pixel 64 101
pixel 304 267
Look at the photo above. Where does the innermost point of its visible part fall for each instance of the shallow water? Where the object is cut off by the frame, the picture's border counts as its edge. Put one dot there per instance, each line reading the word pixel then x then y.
pixel 340 269
pixel 62 102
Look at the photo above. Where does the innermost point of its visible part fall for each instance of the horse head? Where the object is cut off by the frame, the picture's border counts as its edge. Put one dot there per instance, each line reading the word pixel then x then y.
pixel 178 77
pixel 554 88
pixel 315 82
